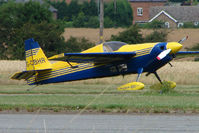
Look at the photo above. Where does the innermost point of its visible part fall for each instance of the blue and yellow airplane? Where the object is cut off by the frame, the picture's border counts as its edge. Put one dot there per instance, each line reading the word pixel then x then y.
pixel 104 60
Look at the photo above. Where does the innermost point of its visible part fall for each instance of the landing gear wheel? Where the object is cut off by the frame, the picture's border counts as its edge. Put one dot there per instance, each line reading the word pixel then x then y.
pixel 132 86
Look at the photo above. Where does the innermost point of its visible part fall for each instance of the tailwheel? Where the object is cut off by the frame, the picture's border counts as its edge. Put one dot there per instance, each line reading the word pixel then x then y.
pixel 132 86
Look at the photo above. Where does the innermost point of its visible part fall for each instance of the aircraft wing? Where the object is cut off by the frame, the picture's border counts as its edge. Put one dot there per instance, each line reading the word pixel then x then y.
pixel 106 57
pixel 187 52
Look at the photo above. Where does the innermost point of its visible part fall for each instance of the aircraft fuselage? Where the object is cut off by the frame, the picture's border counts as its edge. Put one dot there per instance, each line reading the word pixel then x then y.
pixel 145 58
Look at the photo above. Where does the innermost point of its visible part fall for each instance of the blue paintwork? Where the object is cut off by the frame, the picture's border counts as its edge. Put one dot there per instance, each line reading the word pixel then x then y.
pixel 148 63
pixel 31 44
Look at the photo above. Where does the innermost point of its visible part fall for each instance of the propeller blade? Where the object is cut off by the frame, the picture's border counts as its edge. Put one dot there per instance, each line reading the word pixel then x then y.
pixel 183 39
pixel 163 54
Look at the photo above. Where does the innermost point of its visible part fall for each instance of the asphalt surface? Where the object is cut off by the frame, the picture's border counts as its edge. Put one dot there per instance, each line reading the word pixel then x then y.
pixel 59 123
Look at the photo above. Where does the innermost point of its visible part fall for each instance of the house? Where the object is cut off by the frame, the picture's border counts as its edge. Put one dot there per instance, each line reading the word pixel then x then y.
pixel 141 9
pixel 175 16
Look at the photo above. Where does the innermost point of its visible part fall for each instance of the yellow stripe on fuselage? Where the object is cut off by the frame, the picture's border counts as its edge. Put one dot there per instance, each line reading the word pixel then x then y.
pixel 143 52
pixel 63 71
pixel 56 72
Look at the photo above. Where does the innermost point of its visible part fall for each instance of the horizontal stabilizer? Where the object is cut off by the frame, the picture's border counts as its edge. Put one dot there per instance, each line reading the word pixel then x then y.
pixel 23 75
pixel 94 57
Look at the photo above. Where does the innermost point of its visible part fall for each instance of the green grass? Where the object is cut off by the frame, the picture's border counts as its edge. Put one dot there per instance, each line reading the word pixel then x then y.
pixel 70 97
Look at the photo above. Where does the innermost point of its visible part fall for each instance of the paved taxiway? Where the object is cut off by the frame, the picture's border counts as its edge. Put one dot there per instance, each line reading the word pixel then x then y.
pixel 60 123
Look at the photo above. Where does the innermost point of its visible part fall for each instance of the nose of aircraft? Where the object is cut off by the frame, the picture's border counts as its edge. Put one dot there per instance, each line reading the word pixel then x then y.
pixel 174 46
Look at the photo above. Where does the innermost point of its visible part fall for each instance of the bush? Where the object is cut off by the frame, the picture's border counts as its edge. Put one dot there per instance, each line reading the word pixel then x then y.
pixel 93 22
pixel 156 24
pixel 196 59
pixel 188 25
pixel 157 36
pixel 130 35
pixel 108 23
pixel 68 24
pixel 195 47
pixel 165 87
pixel 79 21
pixel 77 44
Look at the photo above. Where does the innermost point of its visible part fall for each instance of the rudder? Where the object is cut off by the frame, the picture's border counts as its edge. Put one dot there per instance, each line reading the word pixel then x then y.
pixel 35 57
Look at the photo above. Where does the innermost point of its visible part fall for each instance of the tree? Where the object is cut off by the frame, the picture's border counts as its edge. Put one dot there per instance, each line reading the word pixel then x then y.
pixel 62 9
pixel 34 12
pixel 73 9
pixel 122 16
pixel 16 26
pixel 89 8
pixel 85 8
pixel 2 2
pixel 93 10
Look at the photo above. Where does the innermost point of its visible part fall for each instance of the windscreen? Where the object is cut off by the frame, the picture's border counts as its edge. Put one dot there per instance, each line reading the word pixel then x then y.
pixel 112 46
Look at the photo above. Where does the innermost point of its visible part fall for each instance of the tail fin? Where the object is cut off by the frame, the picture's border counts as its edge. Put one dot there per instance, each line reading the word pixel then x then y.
pixel 35 57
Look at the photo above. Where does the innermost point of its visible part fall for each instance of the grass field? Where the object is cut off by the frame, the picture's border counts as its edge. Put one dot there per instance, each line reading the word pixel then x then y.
pixel 98 98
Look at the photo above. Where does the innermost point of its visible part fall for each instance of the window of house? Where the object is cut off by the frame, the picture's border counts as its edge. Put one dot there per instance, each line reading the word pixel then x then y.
pixel 167 24
pixel 139 11
pixel 180 25
pixel 196 23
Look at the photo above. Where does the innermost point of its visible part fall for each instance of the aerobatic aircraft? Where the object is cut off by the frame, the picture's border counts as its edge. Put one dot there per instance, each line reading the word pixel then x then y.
pixel 104 60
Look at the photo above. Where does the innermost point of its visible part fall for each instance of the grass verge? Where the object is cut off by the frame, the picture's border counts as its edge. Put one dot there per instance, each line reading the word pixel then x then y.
pixel 73 98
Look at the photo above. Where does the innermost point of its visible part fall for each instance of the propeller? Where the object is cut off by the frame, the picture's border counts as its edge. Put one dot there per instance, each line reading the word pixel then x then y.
pixel 183 39
pixel 172 47
pixel 163 54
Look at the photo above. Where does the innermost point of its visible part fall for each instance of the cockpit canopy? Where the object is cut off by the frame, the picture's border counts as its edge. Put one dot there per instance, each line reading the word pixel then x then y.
pixel 112 46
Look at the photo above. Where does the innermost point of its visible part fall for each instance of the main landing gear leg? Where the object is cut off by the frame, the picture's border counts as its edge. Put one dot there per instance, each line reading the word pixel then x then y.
pixel 140 70
pixel 157 76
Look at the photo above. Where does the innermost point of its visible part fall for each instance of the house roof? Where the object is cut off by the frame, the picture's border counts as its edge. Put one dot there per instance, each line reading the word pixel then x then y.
pixel 147 0
pixel 165 13
pixel 179 13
